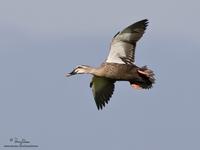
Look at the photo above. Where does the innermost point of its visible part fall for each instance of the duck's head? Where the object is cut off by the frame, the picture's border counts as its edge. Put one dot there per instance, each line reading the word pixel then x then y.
pixel 79 70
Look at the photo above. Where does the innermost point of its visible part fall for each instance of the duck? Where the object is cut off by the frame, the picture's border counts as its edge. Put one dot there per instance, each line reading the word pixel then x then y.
pixel 118 66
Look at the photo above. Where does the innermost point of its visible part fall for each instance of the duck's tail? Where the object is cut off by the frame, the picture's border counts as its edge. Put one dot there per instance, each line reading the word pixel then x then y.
pixel 147 76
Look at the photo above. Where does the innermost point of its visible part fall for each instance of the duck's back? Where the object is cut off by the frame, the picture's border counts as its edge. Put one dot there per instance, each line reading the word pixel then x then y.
pixel 119 71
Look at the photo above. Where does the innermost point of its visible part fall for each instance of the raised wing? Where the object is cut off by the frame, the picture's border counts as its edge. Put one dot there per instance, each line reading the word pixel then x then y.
pixel 123 45
pixel 102 89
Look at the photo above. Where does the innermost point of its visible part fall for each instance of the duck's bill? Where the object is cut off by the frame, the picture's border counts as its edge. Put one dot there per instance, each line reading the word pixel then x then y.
pixel 70 74
pixel 67 74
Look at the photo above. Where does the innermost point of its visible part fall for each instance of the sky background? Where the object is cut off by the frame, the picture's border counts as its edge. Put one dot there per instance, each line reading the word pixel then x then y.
pixel 40 40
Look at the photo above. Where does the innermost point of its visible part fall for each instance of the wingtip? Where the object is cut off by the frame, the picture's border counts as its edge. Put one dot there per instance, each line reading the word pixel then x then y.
pixel 99 107
pixel 146 22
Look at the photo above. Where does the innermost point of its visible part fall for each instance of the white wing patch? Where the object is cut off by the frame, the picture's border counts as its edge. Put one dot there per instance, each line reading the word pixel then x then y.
pixel 117 51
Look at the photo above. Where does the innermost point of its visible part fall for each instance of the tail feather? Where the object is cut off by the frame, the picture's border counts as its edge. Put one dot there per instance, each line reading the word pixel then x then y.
pixel 147 76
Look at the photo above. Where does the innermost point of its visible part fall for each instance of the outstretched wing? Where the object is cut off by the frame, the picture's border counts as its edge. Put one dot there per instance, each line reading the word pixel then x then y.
pixel 102 89
pixel 123 45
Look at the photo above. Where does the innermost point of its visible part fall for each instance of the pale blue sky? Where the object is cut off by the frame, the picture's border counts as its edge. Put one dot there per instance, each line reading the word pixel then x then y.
pixel 40 40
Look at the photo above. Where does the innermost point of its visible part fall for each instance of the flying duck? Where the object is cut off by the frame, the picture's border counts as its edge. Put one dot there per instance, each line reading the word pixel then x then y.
pixel 119 66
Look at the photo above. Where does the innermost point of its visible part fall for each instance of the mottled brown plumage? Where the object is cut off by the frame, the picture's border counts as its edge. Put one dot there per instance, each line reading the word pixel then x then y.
pixel 119 66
